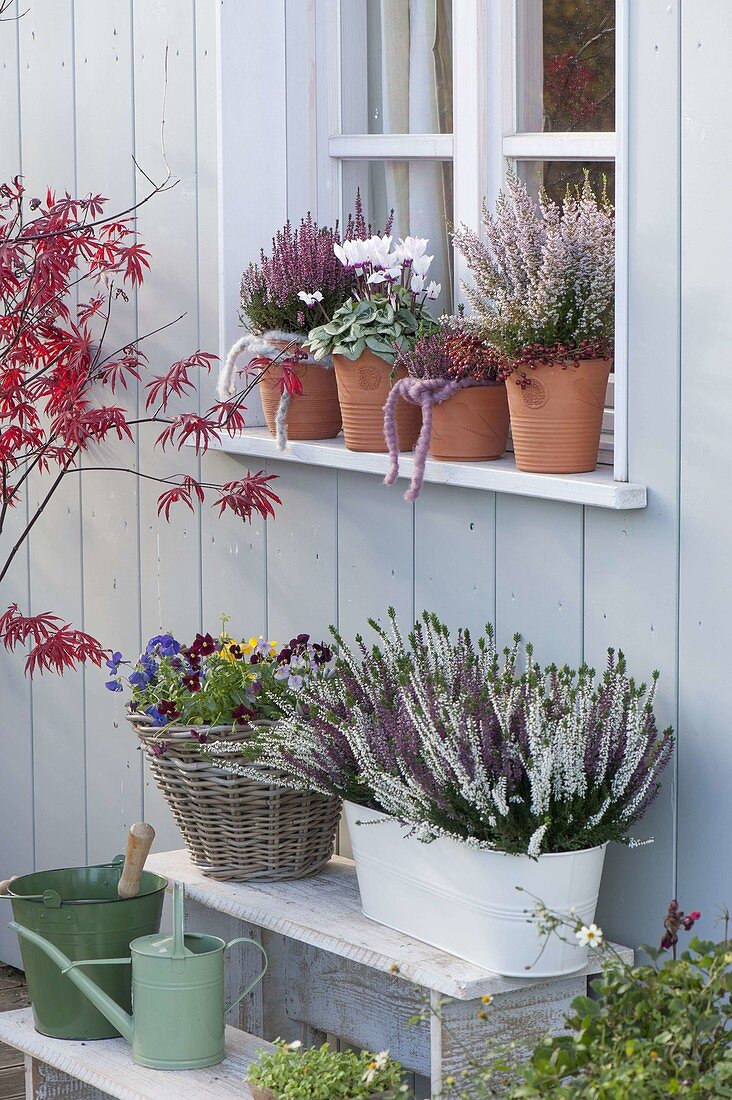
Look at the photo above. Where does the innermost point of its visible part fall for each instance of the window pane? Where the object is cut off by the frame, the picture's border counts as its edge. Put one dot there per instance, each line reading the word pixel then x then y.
pixel 396 64
pixel 554 175
pixel 420 194
pixel 566 65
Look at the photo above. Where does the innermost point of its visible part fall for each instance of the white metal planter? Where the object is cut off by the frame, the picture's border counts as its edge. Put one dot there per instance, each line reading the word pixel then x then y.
pixel 464 900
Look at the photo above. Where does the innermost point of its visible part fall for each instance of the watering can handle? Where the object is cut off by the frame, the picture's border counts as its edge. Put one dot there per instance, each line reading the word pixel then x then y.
pixel 250 987
pixel 139 842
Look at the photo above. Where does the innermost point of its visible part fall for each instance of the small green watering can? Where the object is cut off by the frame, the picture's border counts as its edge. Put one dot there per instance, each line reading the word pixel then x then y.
pixel 177 993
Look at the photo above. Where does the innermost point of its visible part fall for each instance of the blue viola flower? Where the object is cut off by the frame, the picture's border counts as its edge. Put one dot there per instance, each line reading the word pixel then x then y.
pixel 114 662
pixel 164 644
pixel 158 718
pixel 113 685
pixel 139 678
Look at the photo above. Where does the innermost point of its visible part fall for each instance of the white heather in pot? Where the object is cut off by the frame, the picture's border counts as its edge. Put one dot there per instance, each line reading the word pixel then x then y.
pixel 544 280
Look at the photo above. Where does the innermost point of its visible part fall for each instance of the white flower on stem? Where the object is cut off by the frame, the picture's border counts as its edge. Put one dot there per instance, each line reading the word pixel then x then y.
pixel 353 253
pixel 294 1045
pixel 411 248
pixel 416 283
pixel 589 936
pixel 421 264
pixel 310 299
pixel 377 1062
pixel 385 275
pixel 434 290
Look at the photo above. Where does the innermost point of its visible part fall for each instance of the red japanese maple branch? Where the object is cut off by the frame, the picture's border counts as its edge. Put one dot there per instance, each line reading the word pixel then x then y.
pixel 56 376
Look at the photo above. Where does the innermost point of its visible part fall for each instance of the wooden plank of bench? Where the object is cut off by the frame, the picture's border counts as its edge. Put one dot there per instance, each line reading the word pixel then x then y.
pixel 325 912
pixel 107 1064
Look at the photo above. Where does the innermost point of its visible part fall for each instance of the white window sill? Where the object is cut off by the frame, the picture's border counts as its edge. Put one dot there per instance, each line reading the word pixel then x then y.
pixel 597 489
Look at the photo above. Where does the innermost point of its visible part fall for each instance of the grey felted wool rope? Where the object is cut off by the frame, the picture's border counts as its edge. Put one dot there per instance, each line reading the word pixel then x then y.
pixel 265 346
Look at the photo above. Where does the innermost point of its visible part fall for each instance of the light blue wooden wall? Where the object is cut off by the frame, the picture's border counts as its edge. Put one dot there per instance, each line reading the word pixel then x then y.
pixel 81 90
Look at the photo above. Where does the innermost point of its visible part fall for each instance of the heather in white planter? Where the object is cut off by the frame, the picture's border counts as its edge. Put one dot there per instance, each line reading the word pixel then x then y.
pixel 465 900
pixel 500 776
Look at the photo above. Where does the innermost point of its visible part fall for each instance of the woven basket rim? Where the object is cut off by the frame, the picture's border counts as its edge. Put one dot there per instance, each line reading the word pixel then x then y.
pixel 143 724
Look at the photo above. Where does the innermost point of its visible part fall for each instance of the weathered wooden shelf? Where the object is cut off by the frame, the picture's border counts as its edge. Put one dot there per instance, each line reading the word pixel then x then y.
pixel 597 489
pixel 325 912
pixel 107 1065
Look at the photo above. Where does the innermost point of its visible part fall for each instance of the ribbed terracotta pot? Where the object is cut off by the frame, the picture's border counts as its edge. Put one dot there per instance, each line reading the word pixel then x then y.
pixel 363 387
pixel 471 426
pixel 556 417
pixel 313 414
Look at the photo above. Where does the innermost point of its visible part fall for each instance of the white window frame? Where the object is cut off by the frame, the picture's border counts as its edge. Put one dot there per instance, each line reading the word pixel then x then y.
pixel 485 90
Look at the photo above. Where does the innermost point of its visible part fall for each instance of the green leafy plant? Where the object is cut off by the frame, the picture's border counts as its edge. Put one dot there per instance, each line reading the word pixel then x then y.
pixel 648 1032
pixel 319 1073
pixel 653 1032
pixel 379 324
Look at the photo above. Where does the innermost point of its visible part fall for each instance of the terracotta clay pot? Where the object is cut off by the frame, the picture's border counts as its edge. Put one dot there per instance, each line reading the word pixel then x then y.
pixel 556 417
pixel 313 414
pixel 363 387
pixel 471 426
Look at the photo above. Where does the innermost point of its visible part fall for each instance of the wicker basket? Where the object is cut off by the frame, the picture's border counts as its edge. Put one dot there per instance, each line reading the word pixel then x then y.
pixel 235 828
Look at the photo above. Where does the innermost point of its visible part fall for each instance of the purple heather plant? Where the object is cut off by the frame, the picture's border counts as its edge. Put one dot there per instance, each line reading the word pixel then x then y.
pixel 301 277
pixel 300 260
pixel 444 735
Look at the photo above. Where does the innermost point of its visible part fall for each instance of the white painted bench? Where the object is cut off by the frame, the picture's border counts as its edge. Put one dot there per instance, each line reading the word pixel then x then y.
pixel 335 972
pixel 64 1069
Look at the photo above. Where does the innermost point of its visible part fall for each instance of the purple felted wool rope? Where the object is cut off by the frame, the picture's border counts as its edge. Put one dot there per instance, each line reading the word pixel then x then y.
pixel 426 392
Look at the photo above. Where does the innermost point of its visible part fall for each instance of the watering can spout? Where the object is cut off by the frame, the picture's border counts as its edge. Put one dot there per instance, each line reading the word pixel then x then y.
pixel 119 1019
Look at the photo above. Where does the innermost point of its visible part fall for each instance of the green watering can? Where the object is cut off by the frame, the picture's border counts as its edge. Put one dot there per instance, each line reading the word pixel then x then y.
pixel 177 993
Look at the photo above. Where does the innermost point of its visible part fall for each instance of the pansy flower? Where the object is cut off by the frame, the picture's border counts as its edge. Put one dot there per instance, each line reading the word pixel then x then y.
pixel 242 713
pixel 168 709
pixel 203 645
pixel 192 681
pixel 113 685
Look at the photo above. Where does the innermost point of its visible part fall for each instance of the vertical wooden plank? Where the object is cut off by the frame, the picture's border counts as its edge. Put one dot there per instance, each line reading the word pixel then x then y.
pixel 233 553
pixel 631 558
pixel 49 139
pixel 375 553
pixel 252 99
pixel 705 755
pixel 454 555
pixel 328 115
pixel 539 576
pixel 301 102
pixel 110 522
pixel 16 806
pixel 302 553
pixel 170 553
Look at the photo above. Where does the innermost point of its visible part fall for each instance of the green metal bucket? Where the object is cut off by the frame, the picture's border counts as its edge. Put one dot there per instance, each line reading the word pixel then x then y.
pixel 78 910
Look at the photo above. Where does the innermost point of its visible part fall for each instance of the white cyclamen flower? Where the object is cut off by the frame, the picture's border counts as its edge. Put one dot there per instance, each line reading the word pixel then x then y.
pixel 387 274
pixel 434 290
pixel 310 299
pixel 353 253
pixel 589 936
pixel 421 264
pixel 411 248
pixel 416 283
